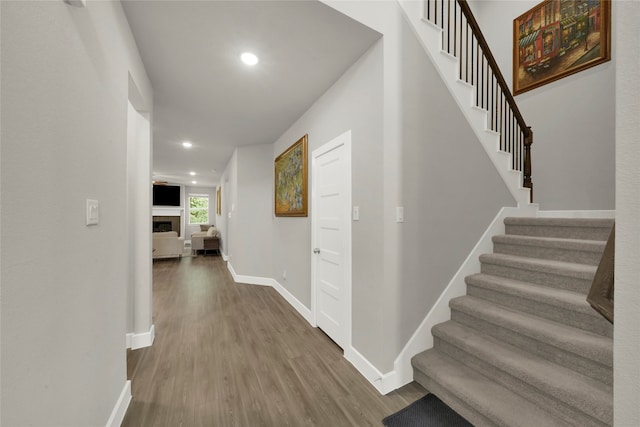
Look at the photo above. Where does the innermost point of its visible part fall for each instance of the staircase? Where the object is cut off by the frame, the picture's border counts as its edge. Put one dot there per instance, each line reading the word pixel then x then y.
pixel 523 347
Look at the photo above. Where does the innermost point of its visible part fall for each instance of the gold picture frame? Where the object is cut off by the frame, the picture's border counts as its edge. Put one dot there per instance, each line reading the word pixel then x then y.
pixel 219 201
pixel 558 38
pixel 290 180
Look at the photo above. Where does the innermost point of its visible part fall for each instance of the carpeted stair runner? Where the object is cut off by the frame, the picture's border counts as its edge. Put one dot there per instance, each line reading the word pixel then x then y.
pixel 523 347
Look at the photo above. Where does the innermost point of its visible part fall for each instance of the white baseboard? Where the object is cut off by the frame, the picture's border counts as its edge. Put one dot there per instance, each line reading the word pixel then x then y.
pixel 225 257
pixel 249 280
pixel 422 339
pixel 267 281
pixel 293 301
pixel 577 214
pixel 384 383
pixel 145 339
pixel 120 409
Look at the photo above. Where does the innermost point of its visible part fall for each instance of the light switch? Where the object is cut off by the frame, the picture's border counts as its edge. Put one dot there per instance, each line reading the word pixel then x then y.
pixel 356 213
pixel 76 3
pixel 93 212
pixel 399 214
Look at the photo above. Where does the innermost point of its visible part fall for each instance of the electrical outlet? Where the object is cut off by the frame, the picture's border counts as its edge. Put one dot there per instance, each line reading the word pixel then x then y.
pixel 356 213
pixel 399 214
pixel 284 275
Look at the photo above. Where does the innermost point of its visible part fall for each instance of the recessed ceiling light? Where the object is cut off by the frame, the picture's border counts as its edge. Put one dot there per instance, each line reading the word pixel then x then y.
pixel 192 173
pixel 194 182
pixel 187 144
pixel 249 58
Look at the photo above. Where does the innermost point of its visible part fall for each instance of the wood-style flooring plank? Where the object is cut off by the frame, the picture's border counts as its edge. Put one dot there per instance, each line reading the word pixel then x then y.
pixel 237 355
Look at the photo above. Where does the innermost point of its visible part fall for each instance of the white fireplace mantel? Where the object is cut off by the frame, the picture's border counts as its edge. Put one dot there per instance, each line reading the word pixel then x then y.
pixel 169 211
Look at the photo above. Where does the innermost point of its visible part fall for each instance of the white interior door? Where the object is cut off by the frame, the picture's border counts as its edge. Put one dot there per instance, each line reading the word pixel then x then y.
pixel 331 239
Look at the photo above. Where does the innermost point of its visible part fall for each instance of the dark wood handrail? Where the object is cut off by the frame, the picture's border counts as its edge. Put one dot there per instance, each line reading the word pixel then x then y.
pixel 479 68
pixel 464 6
pixel 601 293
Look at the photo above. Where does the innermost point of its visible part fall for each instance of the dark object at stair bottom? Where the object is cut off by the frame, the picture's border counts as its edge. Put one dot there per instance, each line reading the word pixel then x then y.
pixel 428 411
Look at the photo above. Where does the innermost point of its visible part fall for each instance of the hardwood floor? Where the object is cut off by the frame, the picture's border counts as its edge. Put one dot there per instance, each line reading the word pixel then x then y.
pixel 229 354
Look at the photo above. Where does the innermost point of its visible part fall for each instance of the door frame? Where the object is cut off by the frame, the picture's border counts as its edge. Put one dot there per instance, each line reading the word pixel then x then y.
pixel 345 140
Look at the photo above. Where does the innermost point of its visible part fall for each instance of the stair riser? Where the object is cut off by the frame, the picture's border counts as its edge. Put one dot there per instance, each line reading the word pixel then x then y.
pixel 574 284
pixel 582 233
pixel 579 416
pixel 461 407
pixel 593 324
pixel 562 357
pixel 556 254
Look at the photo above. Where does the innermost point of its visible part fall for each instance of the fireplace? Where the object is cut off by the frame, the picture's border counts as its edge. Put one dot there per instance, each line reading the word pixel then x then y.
pixel 166 223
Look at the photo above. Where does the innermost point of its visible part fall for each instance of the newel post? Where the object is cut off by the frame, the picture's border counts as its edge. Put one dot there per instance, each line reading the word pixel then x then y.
pixel 527 163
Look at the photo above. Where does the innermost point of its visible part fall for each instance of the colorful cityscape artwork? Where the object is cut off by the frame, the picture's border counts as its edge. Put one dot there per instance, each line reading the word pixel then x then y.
pixel 557 38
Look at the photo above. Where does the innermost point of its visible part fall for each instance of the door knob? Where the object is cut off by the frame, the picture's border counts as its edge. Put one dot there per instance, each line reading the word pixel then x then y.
pixel 316 251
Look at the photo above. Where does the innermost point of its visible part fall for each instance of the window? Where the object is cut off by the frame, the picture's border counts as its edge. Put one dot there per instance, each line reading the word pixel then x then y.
pixel 198 209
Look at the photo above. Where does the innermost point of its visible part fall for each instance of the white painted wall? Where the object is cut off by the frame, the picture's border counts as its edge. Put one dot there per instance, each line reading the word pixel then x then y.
pixel 227 228
pixel 626 382
pixel 64 134
pixel 450 189
pixel 355 102
pixel 411 141
pixel 573 121
pixel 254 212
pixel 247 194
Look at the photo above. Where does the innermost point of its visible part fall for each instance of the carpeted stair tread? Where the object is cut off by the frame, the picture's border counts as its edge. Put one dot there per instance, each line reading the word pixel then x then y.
pixel 563 306
pixel 561 298
pixel 561 249
pixel 560 268
pixel 524 347
pixel 489 399
pixel 573 340
pixel 575 390
pixel 575 228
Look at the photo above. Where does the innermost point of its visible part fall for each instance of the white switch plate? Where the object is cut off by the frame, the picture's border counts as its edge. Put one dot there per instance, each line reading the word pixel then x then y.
pixel 93 212
pixel 356 213
pixel 76 3
pixel 399 214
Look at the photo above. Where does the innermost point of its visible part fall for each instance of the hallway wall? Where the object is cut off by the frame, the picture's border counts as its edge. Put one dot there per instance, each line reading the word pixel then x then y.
pixel 573 120
pixel 64 115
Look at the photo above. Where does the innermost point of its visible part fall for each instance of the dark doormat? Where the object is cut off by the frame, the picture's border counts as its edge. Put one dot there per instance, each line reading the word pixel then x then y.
pixel 426 412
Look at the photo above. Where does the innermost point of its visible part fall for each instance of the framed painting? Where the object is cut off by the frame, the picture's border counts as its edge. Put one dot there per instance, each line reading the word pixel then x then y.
pixel 290 184
pixel 558 38
pixel 219 201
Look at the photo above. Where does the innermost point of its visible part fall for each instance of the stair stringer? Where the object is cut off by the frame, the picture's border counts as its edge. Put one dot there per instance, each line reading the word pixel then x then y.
pixel 422 339
pixel 430 38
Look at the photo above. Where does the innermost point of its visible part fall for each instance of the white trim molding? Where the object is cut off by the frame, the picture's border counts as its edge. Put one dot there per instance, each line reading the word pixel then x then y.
pixel 284 293
pixel 294 302
pixel 145 339
pixel 384 383
pixel 577 214
pixel 120 409
pixel 157 211
pixel 249 280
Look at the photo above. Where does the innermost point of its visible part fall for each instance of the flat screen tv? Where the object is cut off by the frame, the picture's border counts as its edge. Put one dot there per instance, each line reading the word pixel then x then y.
pixel 166 195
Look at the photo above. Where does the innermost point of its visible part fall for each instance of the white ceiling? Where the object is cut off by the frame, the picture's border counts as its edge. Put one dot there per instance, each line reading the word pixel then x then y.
pixel 204 93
